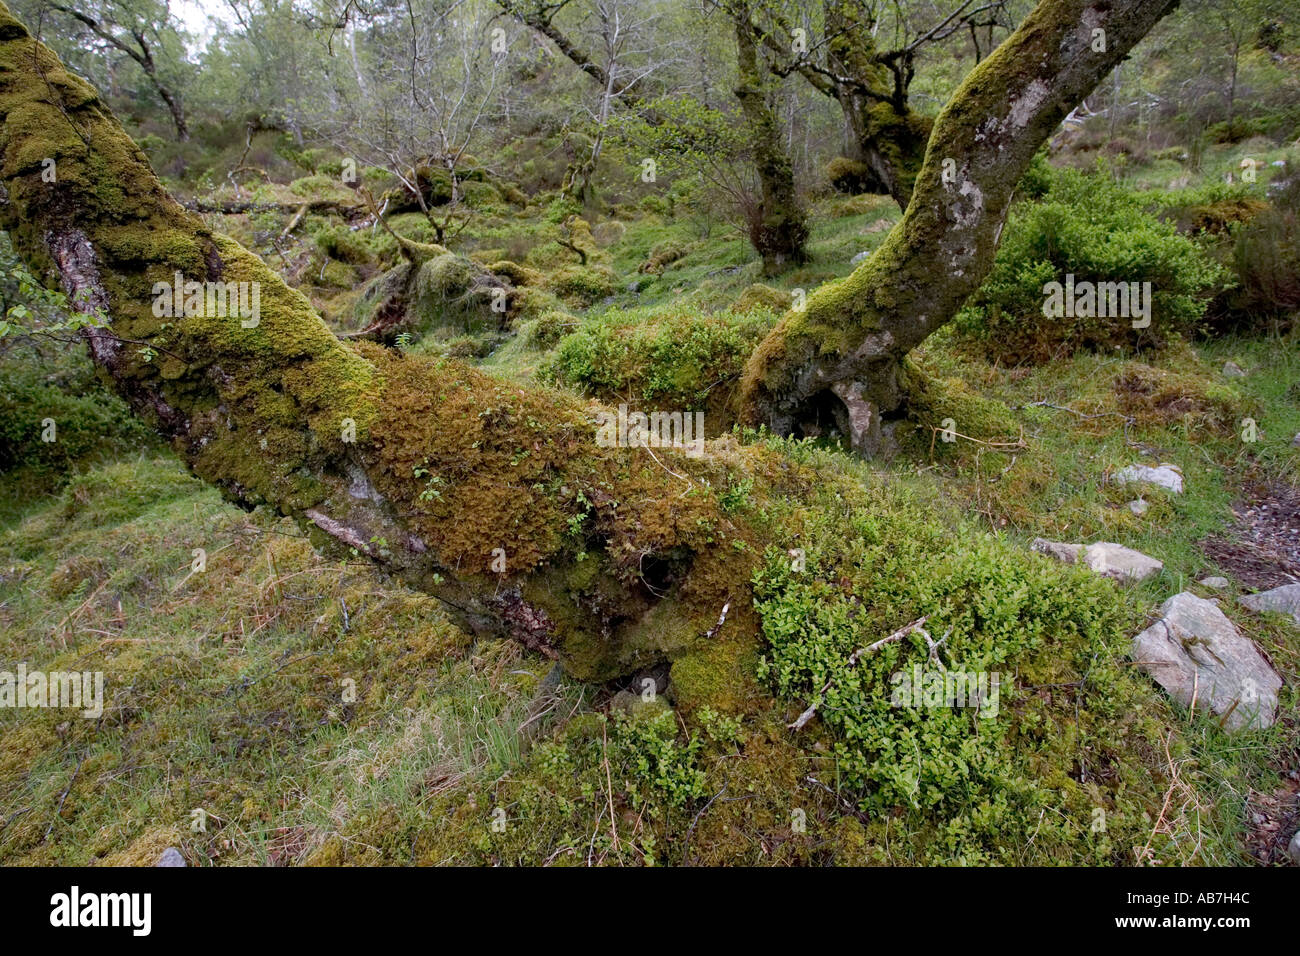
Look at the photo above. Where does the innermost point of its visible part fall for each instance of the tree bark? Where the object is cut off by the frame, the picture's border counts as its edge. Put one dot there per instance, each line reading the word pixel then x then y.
pixel 845 349
pixel 778 228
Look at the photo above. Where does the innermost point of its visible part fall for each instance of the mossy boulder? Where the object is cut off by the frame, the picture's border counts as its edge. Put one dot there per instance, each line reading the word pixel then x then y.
pixel 518 275
pixel 664 254
pixel 760 296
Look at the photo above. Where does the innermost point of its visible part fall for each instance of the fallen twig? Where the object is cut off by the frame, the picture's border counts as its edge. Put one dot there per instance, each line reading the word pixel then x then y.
pixel 856 656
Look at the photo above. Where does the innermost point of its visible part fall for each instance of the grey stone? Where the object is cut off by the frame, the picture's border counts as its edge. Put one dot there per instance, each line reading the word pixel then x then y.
pixel 1139 507
pixel 1069 553
pixel 171 857
pixel 1105 557
pixel 1285 599
pixel 1116 561
pixel 1213 582
pixel 1233 370
pixel 1195 653
pixel 1295 442
pixel 1165 476
pixel 861 256
pixel 1294 848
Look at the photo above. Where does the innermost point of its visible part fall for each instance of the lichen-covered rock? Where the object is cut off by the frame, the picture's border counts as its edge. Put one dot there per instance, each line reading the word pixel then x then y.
pixel 1197 655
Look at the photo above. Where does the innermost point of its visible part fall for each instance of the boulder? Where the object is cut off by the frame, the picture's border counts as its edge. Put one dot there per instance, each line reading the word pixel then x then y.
pixel 1165 476
pixel 1196 654
pixel 1233 370
pixel 1213 582
pixel 1285 599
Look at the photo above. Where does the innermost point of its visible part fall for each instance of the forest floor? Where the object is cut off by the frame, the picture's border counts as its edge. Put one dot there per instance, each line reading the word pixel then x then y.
pixel 278 708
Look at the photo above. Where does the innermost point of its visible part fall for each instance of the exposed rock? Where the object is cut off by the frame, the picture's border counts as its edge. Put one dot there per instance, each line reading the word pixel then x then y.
pixel 860 257
pixel 1294 848
pixel 1165 476
pixel 1213 582
pixel 1233 370
pixel 1285 599
pixel 1195 653
pixel 171 857
pixel 1069 553
pixel 1139 507
pixel 1295 442
pixel 1105 557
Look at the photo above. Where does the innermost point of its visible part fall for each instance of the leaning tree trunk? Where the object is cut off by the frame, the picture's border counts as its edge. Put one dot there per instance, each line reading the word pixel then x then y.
pixel 496 499
pixel 845 348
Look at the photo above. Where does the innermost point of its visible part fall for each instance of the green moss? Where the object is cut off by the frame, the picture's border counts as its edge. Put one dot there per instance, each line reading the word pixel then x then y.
pixel 760 296
pixel 938 404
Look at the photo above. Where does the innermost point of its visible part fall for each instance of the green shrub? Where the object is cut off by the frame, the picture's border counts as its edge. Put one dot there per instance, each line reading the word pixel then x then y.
pixel 1266 261
pixel 675 357
pixel 1037 180
pixel 1094 229
pixel 44 383
pixel 659 757
pixel 582 286
pixel 1210 211
pixel 956 778
pixel 549 328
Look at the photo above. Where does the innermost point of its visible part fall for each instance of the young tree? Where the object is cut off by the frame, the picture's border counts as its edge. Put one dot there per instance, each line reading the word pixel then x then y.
pixel 420 113
pixel 485 494
pixel 629 37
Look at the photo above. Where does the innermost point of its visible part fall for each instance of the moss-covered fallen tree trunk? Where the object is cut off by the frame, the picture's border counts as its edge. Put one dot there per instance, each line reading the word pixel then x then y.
pixel 498 500
pixel 844 350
